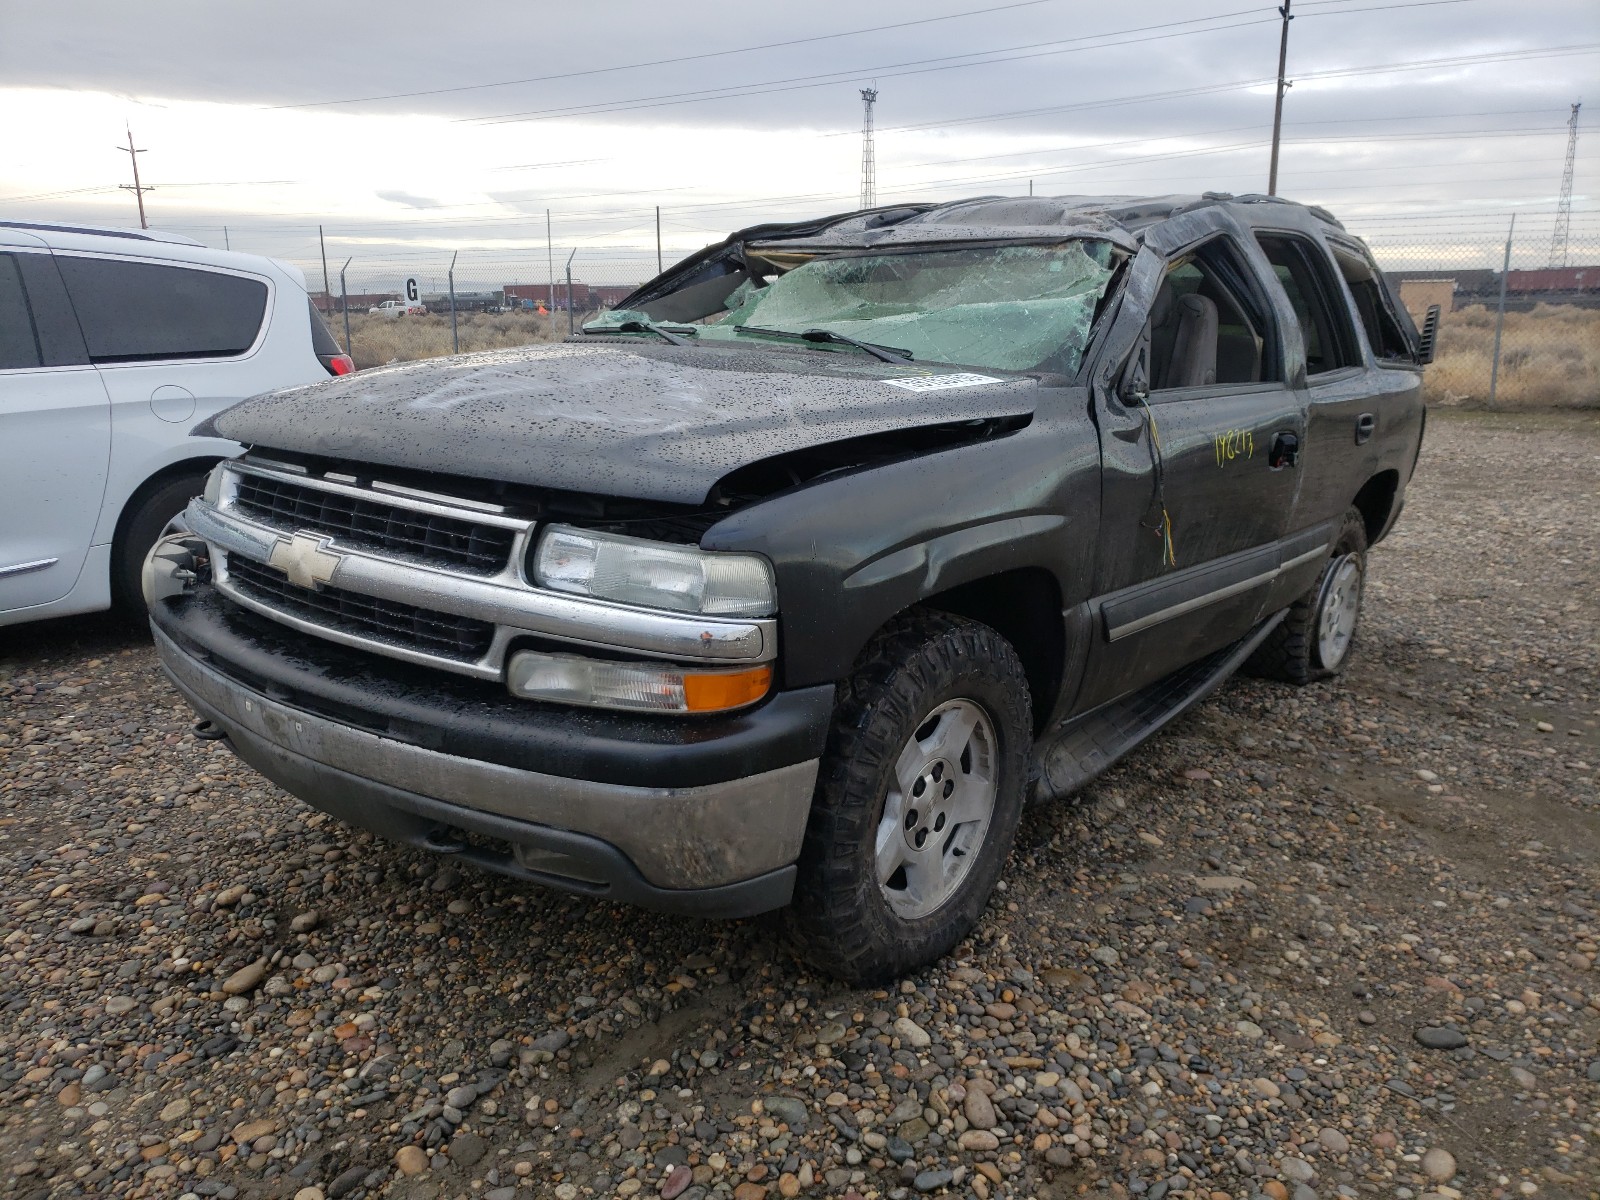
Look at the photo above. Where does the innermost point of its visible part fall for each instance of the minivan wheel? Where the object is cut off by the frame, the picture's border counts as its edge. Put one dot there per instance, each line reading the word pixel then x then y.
pixel 918 799
pixel 153 514
pixel 1313 641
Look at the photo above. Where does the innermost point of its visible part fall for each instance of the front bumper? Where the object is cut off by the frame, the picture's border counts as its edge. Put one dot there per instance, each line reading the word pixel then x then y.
pixel 699 817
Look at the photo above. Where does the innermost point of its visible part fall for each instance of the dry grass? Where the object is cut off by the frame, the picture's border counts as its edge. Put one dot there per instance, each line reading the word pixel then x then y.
pixel 379 340
pixel 1549 358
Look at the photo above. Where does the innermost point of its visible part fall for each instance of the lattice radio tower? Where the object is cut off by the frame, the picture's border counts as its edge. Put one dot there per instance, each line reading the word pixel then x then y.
pixel 869 166
pixel 1558 240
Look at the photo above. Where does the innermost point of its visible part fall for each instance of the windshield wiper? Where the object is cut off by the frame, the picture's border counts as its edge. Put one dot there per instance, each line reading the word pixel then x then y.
pixel 652 327
pixel 888 354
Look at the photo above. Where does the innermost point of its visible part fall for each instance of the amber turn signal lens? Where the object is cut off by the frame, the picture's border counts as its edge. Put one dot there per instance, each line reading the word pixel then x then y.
pixel 725 689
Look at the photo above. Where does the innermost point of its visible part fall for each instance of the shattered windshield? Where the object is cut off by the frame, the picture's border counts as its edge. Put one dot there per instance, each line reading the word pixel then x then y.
pixel 1009 308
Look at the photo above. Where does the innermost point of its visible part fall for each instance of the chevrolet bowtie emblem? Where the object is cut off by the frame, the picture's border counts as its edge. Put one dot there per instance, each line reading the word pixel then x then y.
pixel 303 559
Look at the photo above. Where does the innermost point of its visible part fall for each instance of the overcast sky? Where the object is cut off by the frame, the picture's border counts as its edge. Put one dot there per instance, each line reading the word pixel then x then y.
pixel 270 118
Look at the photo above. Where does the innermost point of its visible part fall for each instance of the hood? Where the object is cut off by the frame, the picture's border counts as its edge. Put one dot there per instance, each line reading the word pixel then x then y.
pixel 643 421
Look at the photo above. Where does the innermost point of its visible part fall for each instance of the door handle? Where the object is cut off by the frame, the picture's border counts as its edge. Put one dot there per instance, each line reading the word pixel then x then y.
pixel 1285 451
pixel 1366 423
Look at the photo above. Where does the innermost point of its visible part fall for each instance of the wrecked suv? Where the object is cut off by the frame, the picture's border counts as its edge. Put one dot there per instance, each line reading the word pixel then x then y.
pixel 786 583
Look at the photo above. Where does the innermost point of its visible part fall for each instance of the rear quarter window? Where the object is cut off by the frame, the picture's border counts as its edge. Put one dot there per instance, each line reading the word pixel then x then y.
pixel 143 312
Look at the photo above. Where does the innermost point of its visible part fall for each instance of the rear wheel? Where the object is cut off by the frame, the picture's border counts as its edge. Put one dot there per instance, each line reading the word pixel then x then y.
pixel 918 799
pixel 1313 641
pixel 155 512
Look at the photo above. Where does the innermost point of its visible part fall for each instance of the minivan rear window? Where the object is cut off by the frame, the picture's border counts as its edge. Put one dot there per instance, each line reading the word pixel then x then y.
pixel 142 312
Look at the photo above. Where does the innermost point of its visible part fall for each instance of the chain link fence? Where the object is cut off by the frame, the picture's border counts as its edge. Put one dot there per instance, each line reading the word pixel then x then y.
pixel 1520 314
pixel 1495 285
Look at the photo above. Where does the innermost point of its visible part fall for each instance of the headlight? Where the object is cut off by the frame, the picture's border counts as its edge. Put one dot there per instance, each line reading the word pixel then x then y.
pixel 654 574
pixel 648 687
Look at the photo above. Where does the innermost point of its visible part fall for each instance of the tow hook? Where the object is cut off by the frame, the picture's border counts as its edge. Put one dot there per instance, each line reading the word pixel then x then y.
pixel 172 567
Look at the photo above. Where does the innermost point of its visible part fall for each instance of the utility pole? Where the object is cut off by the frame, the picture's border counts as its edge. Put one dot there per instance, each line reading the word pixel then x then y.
pixel 550 261
pixel 137 188
pixel 327 293
pixel 869 166
pixel 1558 240
pixel 1500 312
pixel 344 303
pixel 455 338
pixel 1277 105
pixel 226 244
pixel 658 239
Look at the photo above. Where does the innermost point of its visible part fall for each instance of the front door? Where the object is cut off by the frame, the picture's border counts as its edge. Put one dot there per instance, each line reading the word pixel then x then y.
pixel 1199 448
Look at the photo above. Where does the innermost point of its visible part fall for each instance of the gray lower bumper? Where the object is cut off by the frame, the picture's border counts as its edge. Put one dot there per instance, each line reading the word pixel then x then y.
pixel 676 839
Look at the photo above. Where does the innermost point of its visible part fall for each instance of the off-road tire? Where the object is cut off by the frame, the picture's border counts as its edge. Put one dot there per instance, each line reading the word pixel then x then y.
pixel 138 530
pixel 1290 651
pixel 840 920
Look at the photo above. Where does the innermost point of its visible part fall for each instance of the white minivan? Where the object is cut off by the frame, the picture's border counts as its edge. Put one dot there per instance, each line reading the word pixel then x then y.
pixel 114 344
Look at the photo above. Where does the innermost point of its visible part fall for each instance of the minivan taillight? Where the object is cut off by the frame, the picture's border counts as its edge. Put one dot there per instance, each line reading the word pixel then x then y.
pixel 338 364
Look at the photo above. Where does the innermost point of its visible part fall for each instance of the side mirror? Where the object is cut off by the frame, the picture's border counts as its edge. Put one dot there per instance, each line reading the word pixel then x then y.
pixel 1428 338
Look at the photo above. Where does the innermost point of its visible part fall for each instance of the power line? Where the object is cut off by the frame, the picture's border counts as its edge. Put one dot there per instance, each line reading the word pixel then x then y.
pixel 662 62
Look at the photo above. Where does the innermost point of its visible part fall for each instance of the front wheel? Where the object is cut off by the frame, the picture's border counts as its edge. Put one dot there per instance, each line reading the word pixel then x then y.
pixel 918 800
pixel 1313 641
pixel 155 513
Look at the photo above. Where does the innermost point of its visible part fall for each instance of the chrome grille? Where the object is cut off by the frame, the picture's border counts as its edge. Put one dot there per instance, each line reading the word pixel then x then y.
pixel 460 638
pixel 452 542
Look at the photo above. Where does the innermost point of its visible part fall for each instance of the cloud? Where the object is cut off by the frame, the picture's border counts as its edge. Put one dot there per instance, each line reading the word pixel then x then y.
pixel 407 199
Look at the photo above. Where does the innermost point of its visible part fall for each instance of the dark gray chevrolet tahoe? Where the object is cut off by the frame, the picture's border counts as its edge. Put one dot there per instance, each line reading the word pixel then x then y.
pixel 790 580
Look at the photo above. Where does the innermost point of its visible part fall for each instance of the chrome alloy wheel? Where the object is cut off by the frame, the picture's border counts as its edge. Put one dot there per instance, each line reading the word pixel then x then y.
pixel 1337 610
pixel 938 808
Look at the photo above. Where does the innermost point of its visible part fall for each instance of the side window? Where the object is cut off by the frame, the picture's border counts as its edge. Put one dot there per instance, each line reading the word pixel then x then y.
pixel 1384 332
pixel 1303 270
pixel 1205 325
pixel 139 312
pixel 19 342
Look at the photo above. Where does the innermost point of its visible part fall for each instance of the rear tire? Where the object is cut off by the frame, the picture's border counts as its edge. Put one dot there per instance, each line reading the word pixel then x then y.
pixel 1315 639
pixel 143 524
pixel 918 799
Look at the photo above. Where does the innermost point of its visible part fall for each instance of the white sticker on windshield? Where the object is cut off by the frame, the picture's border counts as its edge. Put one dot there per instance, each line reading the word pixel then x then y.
pixel 933 383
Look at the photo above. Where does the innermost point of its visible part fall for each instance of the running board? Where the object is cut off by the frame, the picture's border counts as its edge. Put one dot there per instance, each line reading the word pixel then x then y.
pixel 1075 752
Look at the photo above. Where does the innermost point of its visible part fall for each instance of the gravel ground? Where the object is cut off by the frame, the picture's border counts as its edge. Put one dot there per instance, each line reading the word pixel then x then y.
pixel 1337 941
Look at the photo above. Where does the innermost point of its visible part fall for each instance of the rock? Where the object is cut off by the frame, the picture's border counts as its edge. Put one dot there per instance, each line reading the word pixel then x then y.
pixel 1223 883
pixel 899 1149
pixel 1439 1165
pixel 82 925
pixel 787 1109
pixel 556 1039
pixel 788 1185
pixel 915 1130
pixel 749 1191
pixel 175 1111
pixel 932 1181
pixel 118 1005
pixel 911 1033
pixel 1297 1170
pixel 467 1149
pixel 461 1097
pixel 831 1032
pixel 346 1182
pixel 309 1193
pixel 1333 1141
pixel 1105 955
pixel 978 1139
pixel 411 1160
pixel 1441 1037
pixel 979 1110
pixel 249 1131
pixel 676 1181
pixel 245 979
pixel 1266 1088
pixel 305 922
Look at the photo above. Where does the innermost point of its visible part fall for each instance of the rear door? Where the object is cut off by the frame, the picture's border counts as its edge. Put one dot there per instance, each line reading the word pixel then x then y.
pixel 174 343
pixel 55 433
pixel 1199 477
pixel 1326 361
